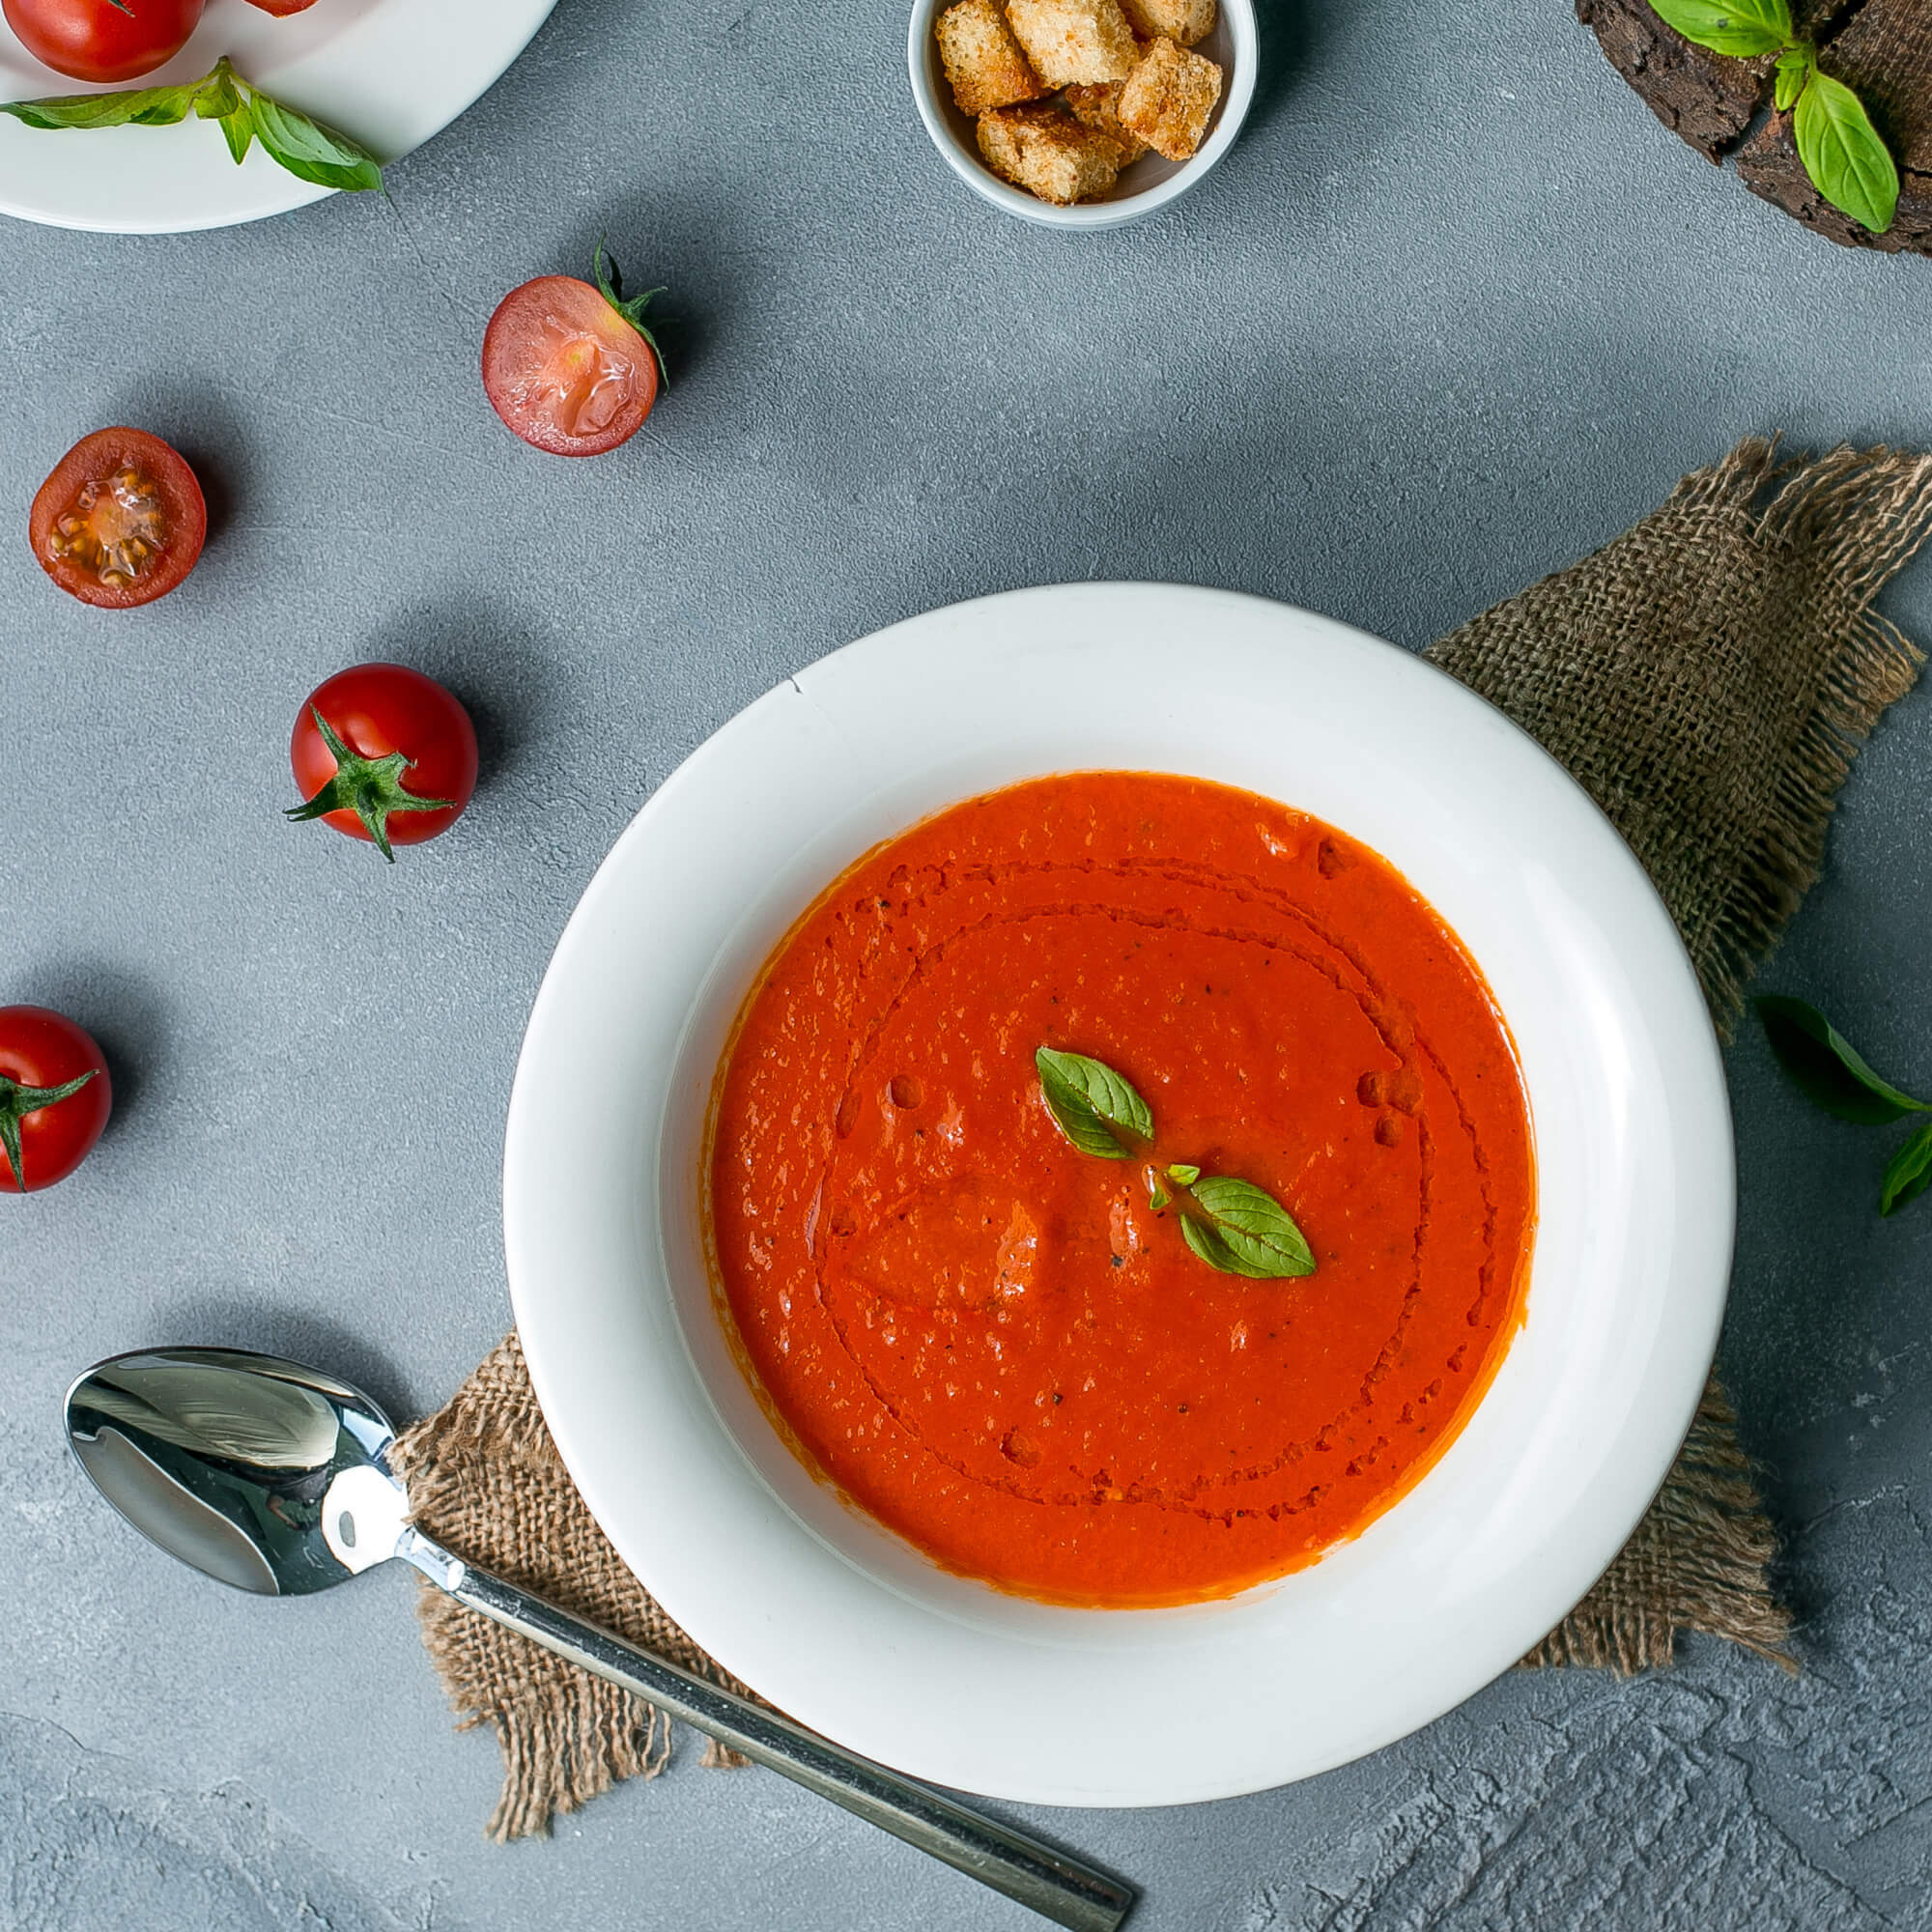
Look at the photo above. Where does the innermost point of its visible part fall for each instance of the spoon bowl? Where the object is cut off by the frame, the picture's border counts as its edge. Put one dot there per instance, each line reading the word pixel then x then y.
pixel 224 1458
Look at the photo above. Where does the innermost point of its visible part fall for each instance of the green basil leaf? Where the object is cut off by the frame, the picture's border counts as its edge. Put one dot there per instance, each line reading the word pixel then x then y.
pixel 1080 1123
pixel 219 95
pixel 1248 1228
pixel 1212 1249
pixel 1826 1068
pixel 1731 26
pixel 1794 69
pixel 237 129
pixel 309 151
pixel 1158 1198
pixel 1184 1172
pixel 1088 1100
pixel 144 106
pixel 1848 163
pixel 1909 1173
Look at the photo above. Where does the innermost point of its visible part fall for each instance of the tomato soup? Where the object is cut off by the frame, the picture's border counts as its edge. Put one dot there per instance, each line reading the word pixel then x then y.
pixel 1005 1347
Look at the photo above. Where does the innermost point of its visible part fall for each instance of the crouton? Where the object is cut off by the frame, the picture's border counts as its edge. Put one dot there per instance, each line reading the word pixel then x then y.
pixel 1100 107
pixel 1182 21
pixel 1074 42
pixel 1050 154
pixel 982 60
pixel 1168 98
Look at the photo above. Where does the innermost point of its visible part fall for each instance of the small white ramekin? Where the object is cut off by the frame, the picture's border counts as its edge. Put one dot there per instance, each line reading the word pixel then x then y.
pixel 1145 186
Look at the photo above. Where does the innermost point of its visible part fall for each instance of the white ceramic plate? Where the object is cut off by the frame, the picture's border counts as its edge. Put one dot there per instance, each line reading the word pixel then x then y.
pixel 387 73
pixel 831 1616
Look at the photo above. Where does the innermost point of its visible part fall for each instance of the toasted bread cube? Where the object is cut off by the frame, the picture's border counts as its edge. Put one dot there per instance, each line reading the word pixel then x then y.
pixel 1168 98
pixel 1050 154
pixel 1100 107
pixel 1074 42
pixel 1182 21
pixel 982 60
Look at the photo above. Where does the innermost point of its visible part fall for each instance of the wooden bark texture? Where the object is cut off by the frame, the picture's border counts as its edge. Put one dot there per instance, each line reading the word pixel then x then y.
pixel 1721 106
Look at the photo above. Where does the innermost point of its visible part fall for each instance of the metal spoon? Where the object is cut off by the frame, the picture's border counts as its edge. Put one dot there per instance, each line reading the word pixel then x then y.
pixel 275 1478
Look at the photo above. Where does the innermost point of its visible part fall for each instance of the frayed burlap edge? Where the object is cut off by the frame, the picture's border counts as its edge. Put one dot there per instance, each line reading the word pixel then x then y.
pixel 1863 512
pixel 484 1477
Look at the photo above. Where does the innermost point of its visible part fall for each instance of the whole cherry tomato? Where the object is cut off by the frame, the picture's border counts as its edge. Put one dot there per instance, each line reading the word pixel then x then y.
pixel 358 735
pixel 119 521
pixel 572 368
pixel 55 1098
pixel 103 40
pixel 282 8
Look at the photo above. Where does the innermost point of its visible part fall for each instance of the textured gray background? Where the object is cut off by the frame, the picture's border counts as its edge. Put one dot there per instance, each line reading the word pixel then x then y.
pixel 1454 310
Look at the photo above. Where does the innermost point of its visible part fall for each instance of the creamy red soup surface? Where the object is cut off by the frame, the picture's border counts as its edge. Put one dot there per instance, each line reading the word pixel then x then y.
pixel 1002 1347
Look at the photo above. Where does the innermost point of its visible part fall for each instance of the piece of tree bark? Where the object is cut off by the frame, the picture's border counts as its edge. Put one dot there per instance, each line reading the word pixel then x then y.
pixel 1884 55
pixel 1705 99
pixel 1883 48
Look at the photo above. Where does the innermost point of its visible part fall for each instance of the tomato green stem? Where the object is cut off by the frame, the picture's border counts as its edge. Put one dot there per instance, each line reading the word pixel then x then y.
pixel 609 288
pixel 17 1103
pixel 372 788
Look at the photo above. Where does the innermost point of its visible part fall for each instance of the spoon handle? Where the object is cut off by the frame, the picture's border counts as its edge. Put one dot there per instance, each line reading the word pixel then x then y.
pixel 1057 1887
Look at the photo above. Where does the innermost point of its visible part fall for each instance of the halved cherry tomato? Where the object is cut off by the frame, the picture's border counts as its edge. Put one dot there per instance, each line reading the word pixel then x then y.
pixel 103 40
pixel 119 521
pixel 571 367
pixel 55 1098
pixel 358 735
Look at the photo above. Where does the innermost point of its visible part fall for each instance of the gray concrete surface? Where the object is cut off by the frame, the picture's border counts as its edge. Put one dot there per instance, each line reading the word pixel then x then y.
pixel 1454 311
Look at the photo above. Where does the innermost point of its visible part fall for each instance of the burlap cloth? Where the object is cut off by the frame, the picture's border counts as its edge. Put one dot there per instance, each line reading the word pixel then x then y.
pixel 1709 677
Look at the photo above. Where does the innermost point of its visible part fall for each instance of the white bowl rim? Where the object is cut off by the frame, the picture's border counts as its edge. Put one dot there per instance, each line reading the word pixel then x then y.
pixel 386 72
pixel 1244 31
pixel 1033 1703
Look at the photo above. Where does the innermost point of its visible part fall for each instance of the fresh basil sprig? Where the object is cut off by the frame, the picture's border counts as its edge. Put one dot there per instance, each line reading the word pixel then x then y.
pixel 1089 1101
pixel 305 147
pixel 1242 1228
pixel 1833 1075
pixel 1909 1173
pixel 1839 148
pixel 1237 1227
pixel 1828 1068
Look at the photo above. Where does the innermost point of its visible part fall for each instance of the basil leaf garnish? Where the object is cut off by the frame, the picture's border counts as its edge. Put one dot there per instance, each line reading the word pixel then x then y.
pixel 1088 1101
pixel 1828 1070
pixel 147 107
pixel 1910 1172
pixel 1212 1248
pixel 1848 163
pixel 305 147
pixel 237 129
pixel 219 95
pixel 1246 1231
pixel 1794 69
pixel 1731 26
pixel 1184 1172
pixel 312 151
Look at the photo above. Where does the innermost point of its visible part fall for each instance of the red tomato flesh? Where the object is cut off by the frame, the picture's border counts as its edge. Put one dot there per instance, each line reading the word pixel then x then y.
pixel 96 39
pixel 119 521
pixel 377 709
pixel 39 1048
pixel 282 9
pixel 565 370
